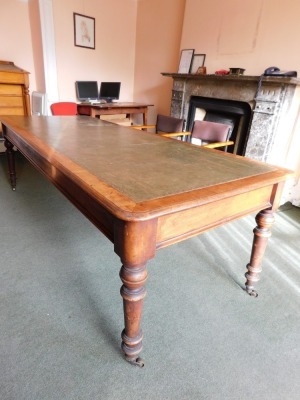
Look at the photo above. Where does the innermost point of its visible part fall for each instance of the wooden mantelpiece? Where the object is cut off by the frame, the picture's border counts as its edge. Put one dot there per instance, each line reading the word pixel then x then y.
pixel 272 99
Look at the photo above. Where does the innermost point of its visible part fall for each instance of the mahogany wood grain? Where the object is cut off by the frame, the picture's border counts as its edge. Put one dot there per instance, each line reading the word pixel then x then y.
pixel 145 192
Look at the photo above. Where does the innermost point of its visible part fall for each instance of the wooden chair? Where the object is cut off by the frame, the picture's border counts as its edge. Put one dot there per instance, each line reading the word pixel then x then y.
pixel 64 108
pixel 210 134
pixel 171 126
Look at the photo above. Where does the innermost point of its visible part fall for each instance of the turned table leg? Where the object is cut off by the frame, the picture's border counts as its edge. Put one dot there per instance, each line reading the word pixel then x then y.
pixel 133 293
pixel 264 220
pixel 135 244
pixel 10 154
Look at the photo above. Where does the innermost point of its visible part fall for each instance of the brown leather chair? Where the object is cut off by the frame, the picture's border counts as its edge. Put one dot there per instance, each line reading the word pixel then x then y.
pixel 210 134
pixel 165 125
pixel 64 108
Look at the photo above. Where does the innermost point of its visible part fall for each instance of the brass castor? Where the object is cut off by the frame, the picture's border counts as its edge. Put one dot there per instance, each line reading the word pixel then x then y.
pixel 138 362
pixel 252 292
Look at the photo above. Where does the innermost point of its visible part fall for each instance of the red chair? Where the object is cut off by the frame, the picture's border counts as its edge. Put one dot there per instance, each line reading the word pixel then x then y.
pixel 64 108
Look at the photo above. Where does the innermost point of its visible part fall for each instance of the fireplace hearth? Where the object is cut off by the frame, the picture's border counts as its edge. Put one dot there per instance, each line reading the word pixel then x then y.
pixel 263 109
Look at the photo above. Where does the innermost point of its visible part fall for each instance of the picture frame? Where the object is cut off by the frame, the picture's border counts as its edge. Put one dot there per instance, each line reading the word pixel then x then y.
pixel 185 61
pixel 84 31
pixel 197 62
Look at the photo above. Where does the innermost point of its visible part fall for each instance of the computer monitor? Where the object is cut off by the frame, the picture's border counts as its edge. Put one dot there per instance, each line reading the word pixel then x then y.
pixel 109 91
pixel 87 90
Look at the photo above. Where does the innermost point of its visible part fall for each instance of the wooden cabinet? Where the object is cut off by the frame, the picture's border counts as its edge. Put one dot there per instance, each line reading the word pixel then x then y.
pixel 14 91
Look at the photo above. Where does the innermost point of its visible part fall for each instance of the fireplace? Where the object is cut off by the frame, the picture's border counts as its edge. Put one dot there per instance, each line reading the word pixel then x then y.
pixel 237 114
pixel 263 110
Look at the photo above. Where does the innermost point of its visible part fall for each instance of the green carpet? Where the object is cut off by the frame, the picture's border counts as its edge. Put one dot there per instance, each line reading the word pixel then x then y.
pixel 204 337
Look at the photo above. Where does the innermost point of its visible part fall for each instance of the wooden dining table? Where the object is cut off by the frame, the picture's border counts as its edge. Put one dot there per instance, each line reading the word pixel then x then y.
pixel 145 192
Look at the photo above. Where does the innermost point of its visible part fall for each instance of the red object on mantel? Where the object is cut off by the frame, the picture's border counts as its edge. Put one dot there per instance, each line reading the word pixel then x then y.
pixel 222 72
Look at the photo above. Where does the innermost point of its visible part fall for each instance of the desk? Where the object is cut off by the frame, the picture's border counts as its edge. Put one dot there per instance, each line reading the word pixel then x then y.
pixel 114 109
pixel 139 190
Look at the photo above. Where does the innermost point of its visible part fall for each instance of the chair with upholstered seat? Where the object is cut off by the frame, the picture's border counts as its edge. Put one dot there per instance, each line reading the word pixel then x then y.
pixel 210 134
pixel 165 125
pixel 64 108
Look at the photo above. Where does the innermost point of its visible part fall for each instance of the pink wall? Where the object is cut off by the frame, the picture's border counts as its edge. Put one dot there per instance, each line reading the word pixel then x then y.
pixel 248 34
pixel 159 26
pixel 113 57
pixel 15 33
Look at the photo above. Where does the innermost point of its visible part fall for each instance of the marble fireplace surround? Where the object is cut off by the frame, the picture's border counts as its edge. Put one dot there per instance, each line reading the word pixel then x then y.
pixel 274 106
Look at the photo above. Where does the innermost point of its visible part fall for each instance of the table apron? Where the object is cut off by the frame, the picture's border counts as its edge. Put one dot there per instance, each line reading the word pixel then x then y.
pixel 84 110
pixel 179 226
pixel 72 190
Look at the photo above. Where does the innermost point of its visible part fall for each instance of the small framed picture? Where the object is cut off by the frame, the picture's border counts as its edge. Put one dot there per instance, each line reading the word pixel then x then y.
pixel 84 31
pixel 185 61
pixel 198 61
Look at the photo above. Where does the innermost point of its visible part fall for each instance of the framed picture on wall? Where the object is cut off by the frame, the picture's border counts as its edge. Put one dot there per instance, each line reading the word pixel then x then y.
pixel 185 61
pixel 84 31
pixel 198 61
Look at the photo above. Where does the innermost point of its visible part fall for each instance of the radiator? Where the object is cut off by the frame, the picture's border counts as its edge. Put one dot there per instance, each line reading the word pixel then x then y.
pixel 39 103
